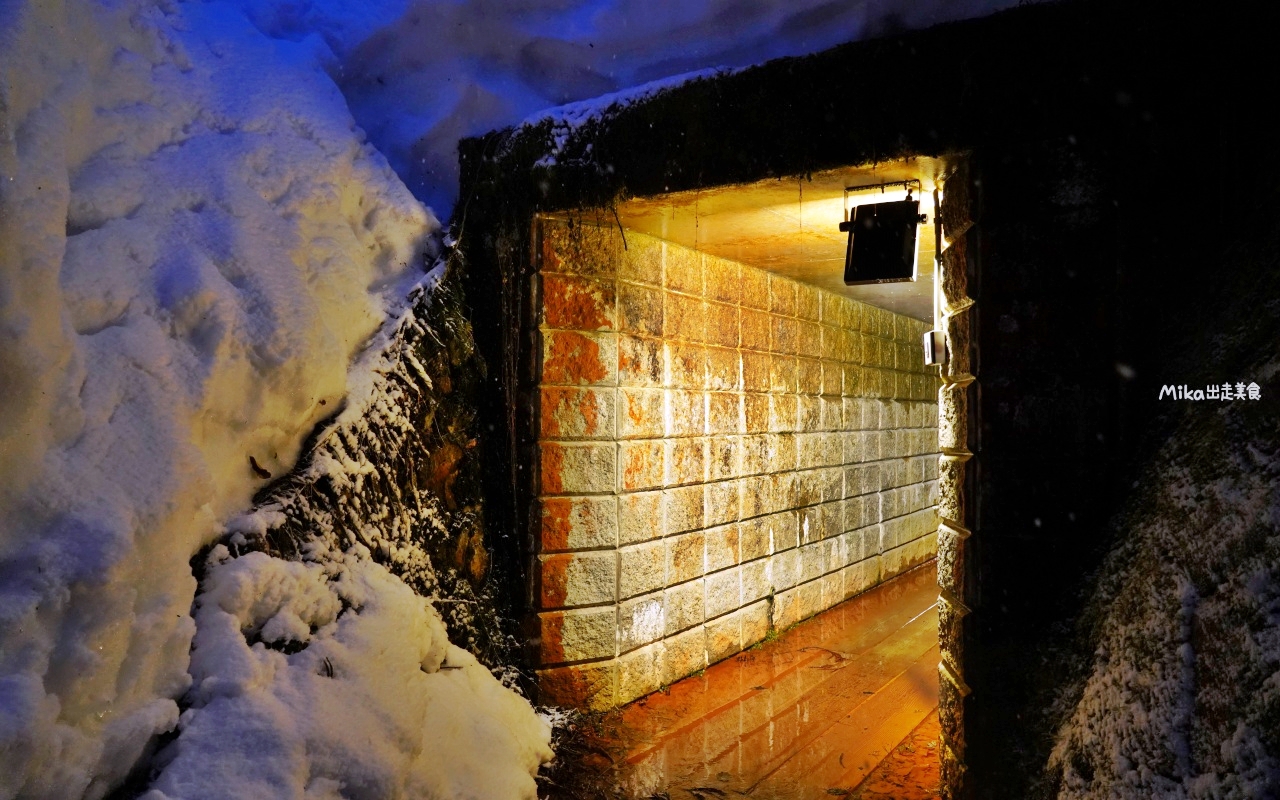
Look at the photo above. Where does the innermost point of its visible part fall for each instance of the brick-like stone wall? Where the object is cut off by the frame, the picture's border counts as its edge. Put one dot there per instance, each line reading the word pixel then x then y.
pixel 722 452
pixel 957 434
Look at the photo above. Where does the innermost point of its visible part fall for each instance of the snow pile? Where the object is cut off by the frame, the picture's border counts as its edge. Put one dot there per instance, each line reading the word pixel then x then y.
pixel 1182 694
pixel 196 242
pixel 329 678
pixel 421 74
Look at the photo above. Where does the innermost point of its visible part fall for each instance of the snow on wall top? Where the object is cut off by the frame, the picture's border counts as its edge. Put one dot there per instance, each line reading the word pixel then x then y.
pixel 569 118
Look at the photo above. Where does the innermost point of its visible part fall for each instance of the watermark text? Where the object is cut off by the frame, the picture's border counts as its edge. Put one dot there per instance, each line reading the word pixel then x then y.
pixel 1214 391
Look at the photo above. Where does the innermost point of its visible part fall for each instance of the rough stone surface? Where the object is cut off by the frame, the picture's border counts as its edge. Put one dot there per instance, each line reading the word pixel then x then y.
pixel 577 579
pixel 574 413
pixel 640 672
pixel 951 562
pixel 955 279
pixel 578 523
pixel 641 568
pixel 641 465
pixel 641 621
pixel 578 635
pixel 639 517
pixel 685 556
pixel 723 591
pixel 957 202
pixel 641 361
pixel 724 637
pixel 578 468
pixel 953 417
pixel 685 606
pixel 580 249
pixel 576 303
pixel 959 361
pixel 723 451
pixel 951 500
pixel 572 357
pixel 593 685
pixel 953 773
pixel 686 654
pixel 640 413
pixel 953 622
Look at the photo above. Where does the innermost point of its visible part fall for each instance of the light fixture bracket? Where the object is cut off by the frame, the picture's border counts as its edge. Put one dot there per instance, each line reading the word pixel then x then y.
pixel 882 236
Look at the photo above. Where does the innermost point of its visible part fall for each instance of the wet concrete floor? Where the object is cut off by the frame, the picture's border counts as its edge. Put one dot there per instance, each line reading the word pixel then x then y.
pixel 843 704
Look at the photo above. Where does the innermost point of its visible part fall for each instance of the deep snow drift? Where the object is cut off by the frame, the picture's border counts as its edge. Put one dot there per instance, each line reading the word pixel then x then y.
pixel 196 242
pixel 376 704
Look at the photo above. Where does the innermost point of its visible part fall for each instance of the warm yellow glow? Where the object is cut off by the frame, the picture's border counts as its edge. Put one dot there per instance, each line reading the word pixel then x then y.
pixel 791 226
pixel 889 195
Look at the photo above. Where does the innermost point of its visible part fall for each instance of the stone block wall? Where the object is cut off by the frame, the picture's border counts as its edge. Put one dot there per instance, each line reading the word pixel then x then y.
pixel 957 435
pixel 722 452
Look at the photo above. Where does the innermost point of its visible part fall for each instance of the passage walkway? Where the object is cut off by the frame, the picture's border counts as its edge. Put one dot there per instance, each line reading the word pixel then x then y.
pixel 813 713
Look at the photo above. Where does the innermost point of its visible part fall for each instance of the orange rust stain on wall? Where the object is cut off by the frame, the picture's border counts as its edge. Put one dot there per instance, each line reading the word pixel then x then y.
pixel 552 650
pixel 577 304
pixel 589 413
pixel 555 581
pixel 552 469
pixel 573 358
pixel 574 685
pixel 636 413
pixel 571 412
pixel 556 523
pixel 626 362
pixel 551 403
pixel 639 468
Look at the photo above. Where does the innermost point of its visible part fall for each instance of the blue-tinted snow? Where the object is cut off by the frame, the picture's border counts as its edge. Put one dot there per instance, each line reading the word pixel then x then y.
pixel 421 74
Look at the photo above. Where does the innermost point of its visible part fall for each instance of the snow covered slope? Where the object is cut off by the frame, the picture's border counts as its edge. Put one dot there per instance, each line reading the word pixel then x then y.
pixel 1180 697
pixel 421 74
pixel 194 241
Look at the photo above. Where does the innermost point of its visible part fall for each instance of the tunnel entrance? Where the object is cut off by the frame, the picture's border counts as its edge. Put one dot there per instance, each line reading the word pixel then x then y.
pixel 729 439
pixel 1046 316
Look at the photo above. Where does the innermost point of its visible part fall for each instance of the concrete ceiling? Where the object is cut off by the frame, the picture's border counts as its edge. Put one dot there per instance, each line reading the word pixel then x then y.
pixel 791 227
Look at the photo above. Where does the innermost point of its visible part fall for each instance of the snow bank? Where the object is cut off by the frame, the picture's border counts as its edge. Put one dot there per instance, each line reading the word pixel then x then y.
pixel 421 74
pixel 196 240
pixel 329 678
pixel 1181 697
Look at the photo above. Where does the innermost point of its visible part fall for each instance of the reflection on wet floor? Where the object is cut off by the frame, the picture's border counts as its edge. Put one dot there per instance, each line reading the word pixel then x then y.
pixel 811 713
pixel 911 772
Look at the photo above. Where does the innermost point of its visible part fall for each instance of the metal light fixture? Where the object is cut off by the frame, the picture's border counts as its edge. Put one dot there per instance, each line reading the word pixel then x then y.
pixel 882 238
pixel 935 341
